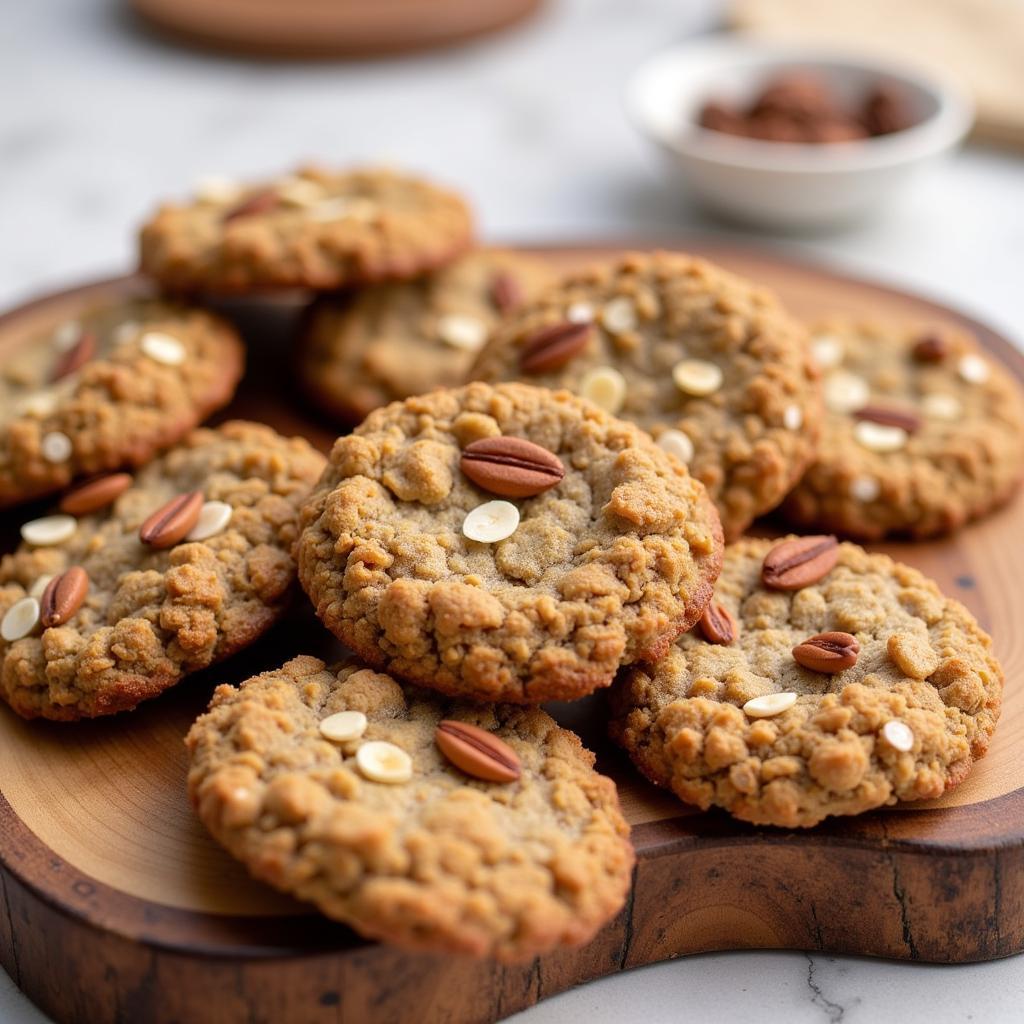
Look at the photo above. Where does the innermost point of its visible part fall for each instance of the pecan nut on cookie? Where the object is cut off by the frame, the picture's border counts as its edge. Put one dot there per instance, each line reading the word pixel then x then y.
pixel 364 349
pixel 506 543
pixel 108 388
pixel 338 785
pixel 922 433
pixel 311 229
pixel 137 582
pixel 708 363
pixel 846 682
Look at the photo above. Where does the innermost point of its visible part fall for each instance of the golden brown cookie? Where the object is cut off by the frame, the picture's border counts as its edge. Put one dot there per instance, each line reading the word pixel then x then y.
pixel 710 364
pixel 854 687
pixel 385 343
pixel 312 229
pixel 526 572
pixel 329 783
pixel 168 572
pixel 923 432
pixel 109 388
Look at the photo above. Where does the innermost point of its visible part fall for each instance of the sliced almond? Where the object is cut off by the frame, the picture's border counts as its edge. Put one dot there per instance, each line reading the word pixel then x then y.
pixel 793 417
pixel 769 705
pixel 898 735
pixel 56 447
pixel 20 619
pixel 940 406
pixel 49 530
pixel 827 350
pixel 880 437
pixel 580 313
pixel 214 517
pixel 973 369
pixel 463 332
pixel 845 392
pixel 162 348
pixel 491 522
pixel 619 315
pixel 864 488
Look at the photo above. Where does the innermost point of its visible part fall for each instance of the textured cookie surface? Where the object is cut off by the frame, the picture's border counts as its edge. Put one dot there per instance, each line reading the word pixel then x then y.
pixel 391 341
pixel 152 616
pixel 109 389
pixel 314 229
pixel 749 414
pixel 605 568
pixel 441 861
pixel 924 664
pixel 959 451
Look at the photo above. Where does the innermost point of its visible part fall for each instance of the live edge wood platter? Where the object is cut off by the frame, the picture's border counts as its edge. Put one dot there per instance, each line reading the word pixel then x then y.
pixel 117 907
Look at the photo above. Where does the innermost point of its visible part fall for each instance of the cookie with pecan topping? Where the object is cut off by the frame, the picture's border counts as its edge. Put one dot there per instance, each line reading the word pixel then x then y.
pixel 428 575
pixel 312 229
pixel 923 432
pixel 384 343
pixel 110 387
pixel 707 362
pixel 865 687
pixel 186 565
pixel 379 829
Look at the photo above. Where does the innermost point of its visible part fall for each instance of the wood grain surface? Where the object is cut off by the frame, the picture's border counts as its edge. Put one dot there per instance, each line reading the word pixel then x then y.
pixel 118 907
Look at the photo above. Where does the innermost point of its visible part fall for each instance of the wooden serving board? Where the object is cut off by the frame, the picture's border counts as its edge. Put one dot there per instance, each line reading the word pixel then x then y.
pixel 117 907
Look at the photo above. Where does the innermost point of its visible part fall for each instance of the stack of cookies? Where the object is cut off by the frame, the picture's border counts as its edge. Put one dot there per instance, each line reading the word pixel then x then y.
pixel 533 506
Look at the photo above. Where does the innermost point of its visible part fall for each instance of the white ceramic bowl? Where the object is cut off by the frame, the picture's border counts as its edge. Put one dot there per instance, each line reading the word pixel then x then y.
pixel 789 185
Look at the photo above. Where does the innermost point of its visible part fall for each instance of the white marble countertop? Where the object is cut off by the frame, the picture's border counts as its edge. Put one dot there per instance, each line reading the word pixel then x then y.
pixel 99 122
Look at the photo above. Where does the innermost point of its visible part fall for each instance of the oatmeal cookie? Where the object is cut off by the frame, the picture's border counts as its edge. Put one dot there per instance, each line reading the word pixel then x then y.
pixel 331 784
pixel 853 687
pixel 710 364
pixel 313 229
pixel 109 388
pixel 385 343
pixel 922 433
pixel 154 577
pixel 413 560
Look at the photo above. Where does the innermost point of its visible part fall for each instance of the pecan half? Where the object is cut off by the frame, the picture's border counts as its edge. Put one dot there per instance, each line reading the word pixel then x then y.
pixel 799 562
pixel 827 652
pixel 553 347
pixel 169 523
pixel 63 596
pixel 477 752
pixel 511 466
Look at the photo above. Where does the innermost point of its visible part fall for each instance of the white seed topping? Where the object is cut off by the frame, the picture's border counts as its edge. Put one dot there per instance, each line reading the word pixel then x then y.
pixel 40 404
pixel 381 761
pixel 973 369
pixel 619 315
pixel 340 208
pixel 56 447
pixel 66 336
pixel 464 332
pixel 345 725
pixel 879 437
pixel 770 705
pixel 676 443
pixel 216 188
pixel 793 417
pixel 864 488
pixel 49 530
pixel 37 588
pixel 126 333
pixel 605 387
pixel 20 619
pixel 162 348
pixel 214 517
pixel 845 392
pixel 940 406
pixel 827 350
pixel 299 191
pixel 898 735
pixel 697 377
pixel 580 313
pixel 490 522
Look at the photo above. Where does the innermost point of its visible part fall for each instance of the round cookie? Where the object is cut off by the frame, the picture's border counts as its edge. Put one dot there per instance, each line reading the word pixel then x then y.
pixel 107 389
pixel 606 566
pixel 708 363
pixel 922 433
pixel 441 861
pixel 151 615
pixel 905 721
pixel 385 343
pixel 312 229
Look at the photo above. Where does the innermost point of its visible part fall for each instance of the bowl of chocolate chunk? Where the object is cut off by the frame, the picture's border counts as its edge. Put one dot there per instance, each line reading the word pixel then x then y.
pixel 792 138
